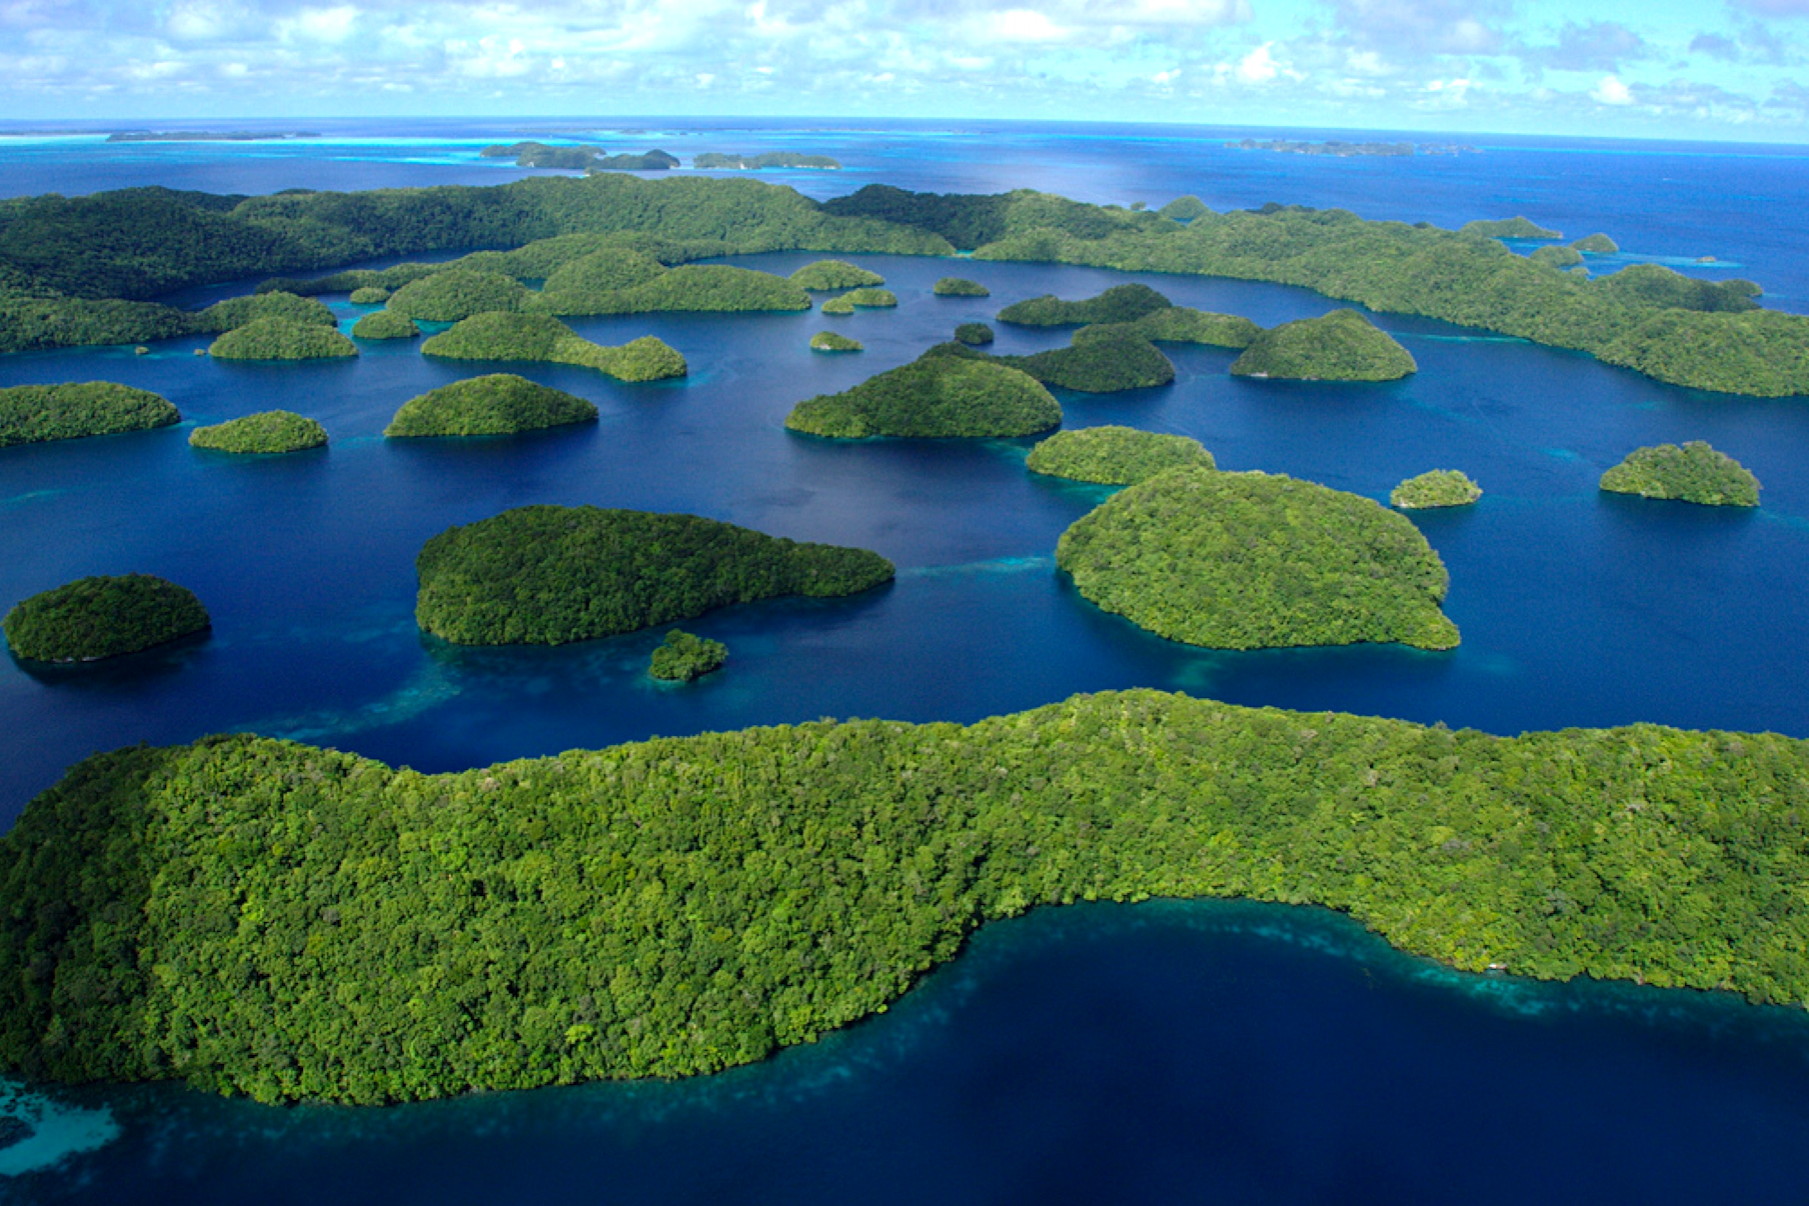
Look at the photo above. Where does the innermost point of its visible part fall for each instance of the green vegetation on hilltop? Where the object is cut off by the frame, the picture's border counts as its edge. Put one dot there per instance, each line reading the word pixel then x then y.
pixel 645 161
pixel 505 336
pixel 717 161
pixel 385 324
pixel 235 312
pixel 281 339
pixel 548 575
pixel 1258 561
pixel 683 658
pixel 1655 287
pixel 1182 324
pixel 269 431
pixel 865 299
pixel 1120 303
pixel 94 618
pixel 1339 346
pixel 458 293
pixel 1185 209
pixel 934 396
pixel 1099 360
pixel 495 404
pixel 834 274
pixel 833 341
pixel 958 286
pixel 1435 488
pixel 1114 456
pixel 974 334
pixel 711 287
pixel 1693 473
pixel 32 414
pixel 1597 244
pixel 267 918
pixel 1557 256
pixel 369 295
pixel 1508 228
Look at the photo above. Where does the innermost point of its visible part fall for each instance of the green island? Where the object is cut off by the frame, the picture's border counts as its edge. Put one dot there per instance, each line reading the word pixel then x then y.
pixel 644 161
pixel 1258 561
pixel 684 658
pixel 1185 209
pixel 544 575
pixel 457 293
pixel 79 270
pixel 1339 346
pixel 834 274
pixel 1508 228
pixel 865 299
pixel 267 432
pixel 1596 244
pixel 1182 324
pixel 495 404
pixel 1435 488
pixel 959 286
pixel 717 161
pixel 385 324
pixel 1115 456
pixel 501 335
pixel 1556 255
pixel 101 617
pixel 710 287
pixel 833 341
pixel 369 295
pixel 974 334
pixel 281 339
pixel 936 396
pixel 1694 473
pixel 1100 359
pixel 678 906
pixel 33 414
pixel 1120 303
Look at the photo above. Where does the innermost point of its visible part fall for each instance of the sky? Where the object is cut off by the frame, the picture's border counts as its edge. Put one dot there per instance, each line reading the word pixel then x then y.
pixel 1715 69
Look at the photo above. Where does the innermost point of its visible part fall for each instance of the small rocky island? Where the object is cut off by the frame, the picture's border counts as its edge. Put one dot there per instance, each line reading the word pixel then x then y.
pixel 861 299
pixel 833 341
pixel 494 404
pixel 1345 150
pixel 684 658
pixel 268 432
pixel 826 275
pixel 1339 346
pixel 959 286
pixel 545 575
pixel 1258 561
pixel 1115 456
pixel 1436 488
pixel 101 617
pixel 582 157
pixel 936 396
pixel 1692 472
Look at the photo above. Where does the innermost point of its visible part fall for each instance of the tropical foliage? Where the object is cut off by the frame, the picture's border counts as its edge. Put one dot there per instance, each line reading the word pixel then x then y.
pixel 30 414
pixel 458 293
pixel 684 658
pixel 935 396
pixel 1436 488
pixel 959 286
pixel 1120 303
pixel 1340 346
pixel 281 339
pixel 833 341
pixel 385 324
pixel 1114 456
pixel 269 431
pixel 94 618
pixel 1693 473
pixel 495 404
pixel 504 336
pixel 834 274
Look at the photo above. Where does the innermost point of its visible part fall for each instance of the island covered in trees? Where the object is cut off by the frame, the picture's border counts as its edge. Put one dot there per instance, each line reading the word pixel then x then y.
pixel 494 404
pixel 683 657
pixel 32 414
pixel 824 275
pixel 1435 488
pixel 1115 456
pixel 267 432
pixel 1692 472
pixel 545 575
pixel 1258 561
pixel 1340 346
pixel 500 335
pixel 282 339
pixel 936 396
pixel 1345 150
pixel 717 161
pixel 101 617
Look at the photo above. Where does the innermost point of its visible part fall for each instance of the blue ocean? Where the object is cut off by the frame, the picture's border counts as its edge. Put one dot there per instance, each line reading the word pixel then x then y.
pixel 1162 1052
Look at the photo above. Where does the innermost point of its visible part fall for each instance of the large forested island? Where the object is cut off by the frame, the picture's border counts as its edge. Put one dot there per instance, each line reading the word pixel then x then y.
pixel 493 404
pixel 1114 456
pixel 681 905
pixel 31 414
pixel 501 335
pixel 1340 346
pixel 547 575
pixel 101 617
pixel 282 339
pixel 937 396
pixel 1258 561
pixel 80 270
pixel 1692 472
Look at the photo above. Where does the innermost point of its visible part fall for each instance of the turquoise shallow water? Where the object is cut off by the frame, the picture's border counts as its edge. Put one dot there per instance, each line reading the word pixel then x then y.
pixel 1163 1052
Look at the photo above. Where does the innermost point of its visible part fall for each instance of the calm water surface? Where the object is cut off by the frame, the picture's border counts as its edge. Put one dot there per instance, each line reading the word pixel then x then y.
pixel 1164 1052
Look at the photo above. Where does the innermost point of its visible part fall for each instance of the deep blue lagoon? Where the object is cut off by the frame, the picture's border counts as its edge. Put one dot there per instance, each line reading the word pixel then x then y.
pixel 1162 1052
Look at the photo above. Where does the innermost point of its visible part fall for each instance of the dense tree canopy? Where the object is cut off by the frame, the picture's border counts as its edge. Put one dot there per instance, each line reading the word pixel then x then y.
pixel 1508 228
pixel 94 618
pixel 834 274
pixel 1340 346
pixel 1436 488
pixel 269 431
pixel 1693 473
pixel 1120 303
pixel 282 339
pixel 385 324
pixel 1114 456
pixel 494 404
pixel 833 341
pixel 684 658
pixel 936 396
pixel 504 336
pixel 30 414
pixel 959 286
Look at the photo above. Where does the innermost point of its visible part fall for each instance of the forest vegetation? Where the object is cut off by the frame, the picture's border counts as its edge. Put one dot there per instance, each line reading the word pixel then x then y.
pixel 505 336
pixel 1435 488
pixel 266 432
pixel 959 286
pixel 711 287
pixel 369 295
pixel 973 334
pixel 281 339
pixel 385 324
pixel 1508 228
pixel 718 161
pixel 32 414
pixel 458 293
pixel 935 396
pixel 1115 456
pixel 494 404
pixel 825 275
pixel 861 299
pixel 1339 346
pixel 1258 561
pixel 1693 473
pixel 107 616
pixel 1597 244
pixel 1120 303
pixel 544 575
pixel 683 658
pixel 833 341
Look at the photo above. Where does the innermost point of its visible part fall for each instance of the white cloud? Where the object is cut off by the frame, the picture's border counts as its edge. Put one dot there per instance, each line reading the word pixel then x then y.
pixel 1611 92
pixel 1259 66
pixel 1022 25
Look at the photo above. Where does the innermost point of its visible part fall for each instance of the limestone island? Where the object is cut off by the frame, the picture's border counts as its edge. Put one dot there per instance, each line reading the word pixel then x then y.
pixel 1115 456
pixel 504 336
pixel 1339 346
pixel 833 341
pixel 825 275
pixel 458 293
pixel 711 161
pixel 957 286
pixel 935 396
pixel 1120 303
pixel 1693 473
pixel 268 432
pixel 94 618
pixel 1435 488
pixel 863 299
pixel 974 334
pixel 281 339
pixel 495 404
pixel 588 283
pixel 546 575
pixel 1258 561
pixel 1556 255
pixel 369 295
pixel 1100 359
pixel 33 414
pixel 385 324
pixel 1599 244
pixel 684 658
pixel 1508 228
pixel 719 288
